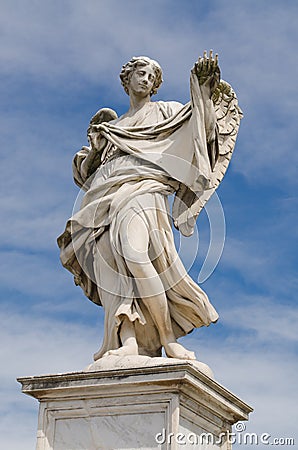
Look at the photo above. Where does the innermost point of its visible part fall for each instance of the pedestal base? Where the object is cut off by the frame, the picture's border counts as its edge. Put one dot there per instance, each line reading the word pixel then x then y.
pixel 164 404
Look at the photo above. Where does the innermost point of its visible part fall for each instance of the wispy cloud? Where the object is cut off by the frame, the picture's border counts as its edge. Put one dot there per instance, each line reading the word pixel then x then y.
pixel 272 323
pixel 60 63
pixel 259 363
pixel 36 344
pixel 264 379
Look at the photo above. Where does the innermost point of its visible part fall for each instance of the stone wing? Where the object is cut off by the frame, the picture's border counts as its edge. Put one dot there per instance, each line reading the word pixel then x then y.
pixel 187 204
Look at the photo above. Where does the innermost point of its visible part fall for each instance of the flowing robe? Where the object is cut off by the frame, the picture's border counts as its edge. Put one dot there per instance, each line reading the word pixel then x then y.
pixel 165 148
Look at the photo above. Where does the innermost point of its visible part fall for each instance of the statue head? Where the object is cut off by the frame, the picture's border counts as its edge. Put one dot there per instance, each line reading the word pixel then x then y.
pixel 140 61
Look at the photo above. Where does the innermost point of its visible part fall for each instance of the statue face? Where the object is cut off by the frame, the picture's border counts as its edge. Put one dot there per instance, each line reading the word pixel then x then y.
pixel 141 81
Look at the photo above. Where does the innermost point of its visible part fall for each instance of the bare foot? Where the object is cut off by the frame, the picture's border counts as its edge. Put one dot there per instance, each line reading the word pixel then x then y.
pixel 97 355
pixel 126 350
pixel 175 350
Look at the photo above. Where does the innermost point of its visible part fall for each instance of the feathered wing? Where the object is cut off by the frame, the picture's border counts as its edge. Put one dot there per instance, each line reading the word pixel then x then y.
pixel 188 204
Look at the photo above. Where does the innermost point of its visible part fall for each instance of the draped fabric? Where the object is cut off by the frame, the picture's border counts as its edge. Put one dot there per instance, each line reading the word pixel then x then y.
pixel 166 148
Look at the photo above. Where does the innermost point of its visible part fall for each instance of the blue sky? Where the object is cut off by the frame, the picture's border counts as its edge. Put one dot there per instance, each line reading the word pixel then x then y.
pixel 60 62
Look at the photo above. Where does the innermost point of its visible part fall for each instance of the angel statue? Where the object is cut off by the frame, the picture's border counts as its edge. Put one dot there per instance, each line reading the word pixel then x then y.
pixel 119 245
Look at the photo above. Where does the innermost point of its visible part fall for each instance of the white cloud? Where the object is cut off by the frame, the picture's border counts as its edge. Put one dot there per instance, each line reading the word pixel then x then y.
pixel 261 376
pixel 35 345
pixel 247 257
pixel 66 48
pixel 93 38
pixel 18 425
pixel 265 381
pixel 271 322
pixel 259 257
pixel 31 274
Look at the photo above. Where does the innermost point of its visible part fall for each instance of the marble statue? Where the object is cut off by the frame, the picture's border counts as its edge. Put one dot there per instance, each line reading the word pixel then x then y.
pixel 119 245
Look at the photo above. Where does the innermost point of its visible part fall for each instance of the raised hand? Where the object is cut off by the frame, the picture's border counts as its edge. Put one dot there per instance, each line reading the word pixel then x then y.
pixel 208 71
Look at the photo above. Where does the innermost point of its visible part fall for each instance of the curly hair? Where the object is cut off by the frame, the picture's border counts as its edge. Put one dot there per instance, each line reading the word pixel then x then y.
pixel 139 61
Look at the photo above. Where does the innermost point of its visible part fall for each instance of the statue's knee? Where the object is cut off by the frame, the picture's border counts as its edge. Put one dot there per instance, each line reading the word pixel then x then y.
pixel 134 256
pixel 134 247
pixel 141 270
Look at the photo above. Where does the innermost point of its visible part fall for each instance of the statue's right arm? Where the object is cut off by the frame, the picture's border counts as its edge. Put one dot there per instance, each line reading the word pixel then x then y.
pixel 88 159
pixel 93 158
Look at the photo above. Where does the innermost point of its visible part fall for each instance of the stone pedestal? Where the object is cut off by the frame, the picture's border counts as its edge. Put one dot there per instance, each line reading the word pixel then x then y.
pixel 134 403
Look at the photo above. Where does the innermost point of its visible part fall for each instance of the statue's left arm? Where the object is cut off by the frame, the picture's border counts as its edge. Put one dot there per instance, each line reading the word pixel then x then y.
pixel 216 118
pixel 207 71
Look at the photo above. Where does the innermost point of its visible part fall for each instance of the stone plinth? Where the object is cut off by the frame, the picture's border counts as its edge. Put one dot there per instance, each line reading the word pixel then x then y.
pixel 158 404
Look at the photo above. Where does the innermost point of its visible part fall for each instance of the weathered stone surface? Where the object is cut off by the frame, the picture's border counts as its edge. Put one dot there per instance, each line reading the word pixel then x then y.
pixel 119 245
pixel 125 362
pixel 133 408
